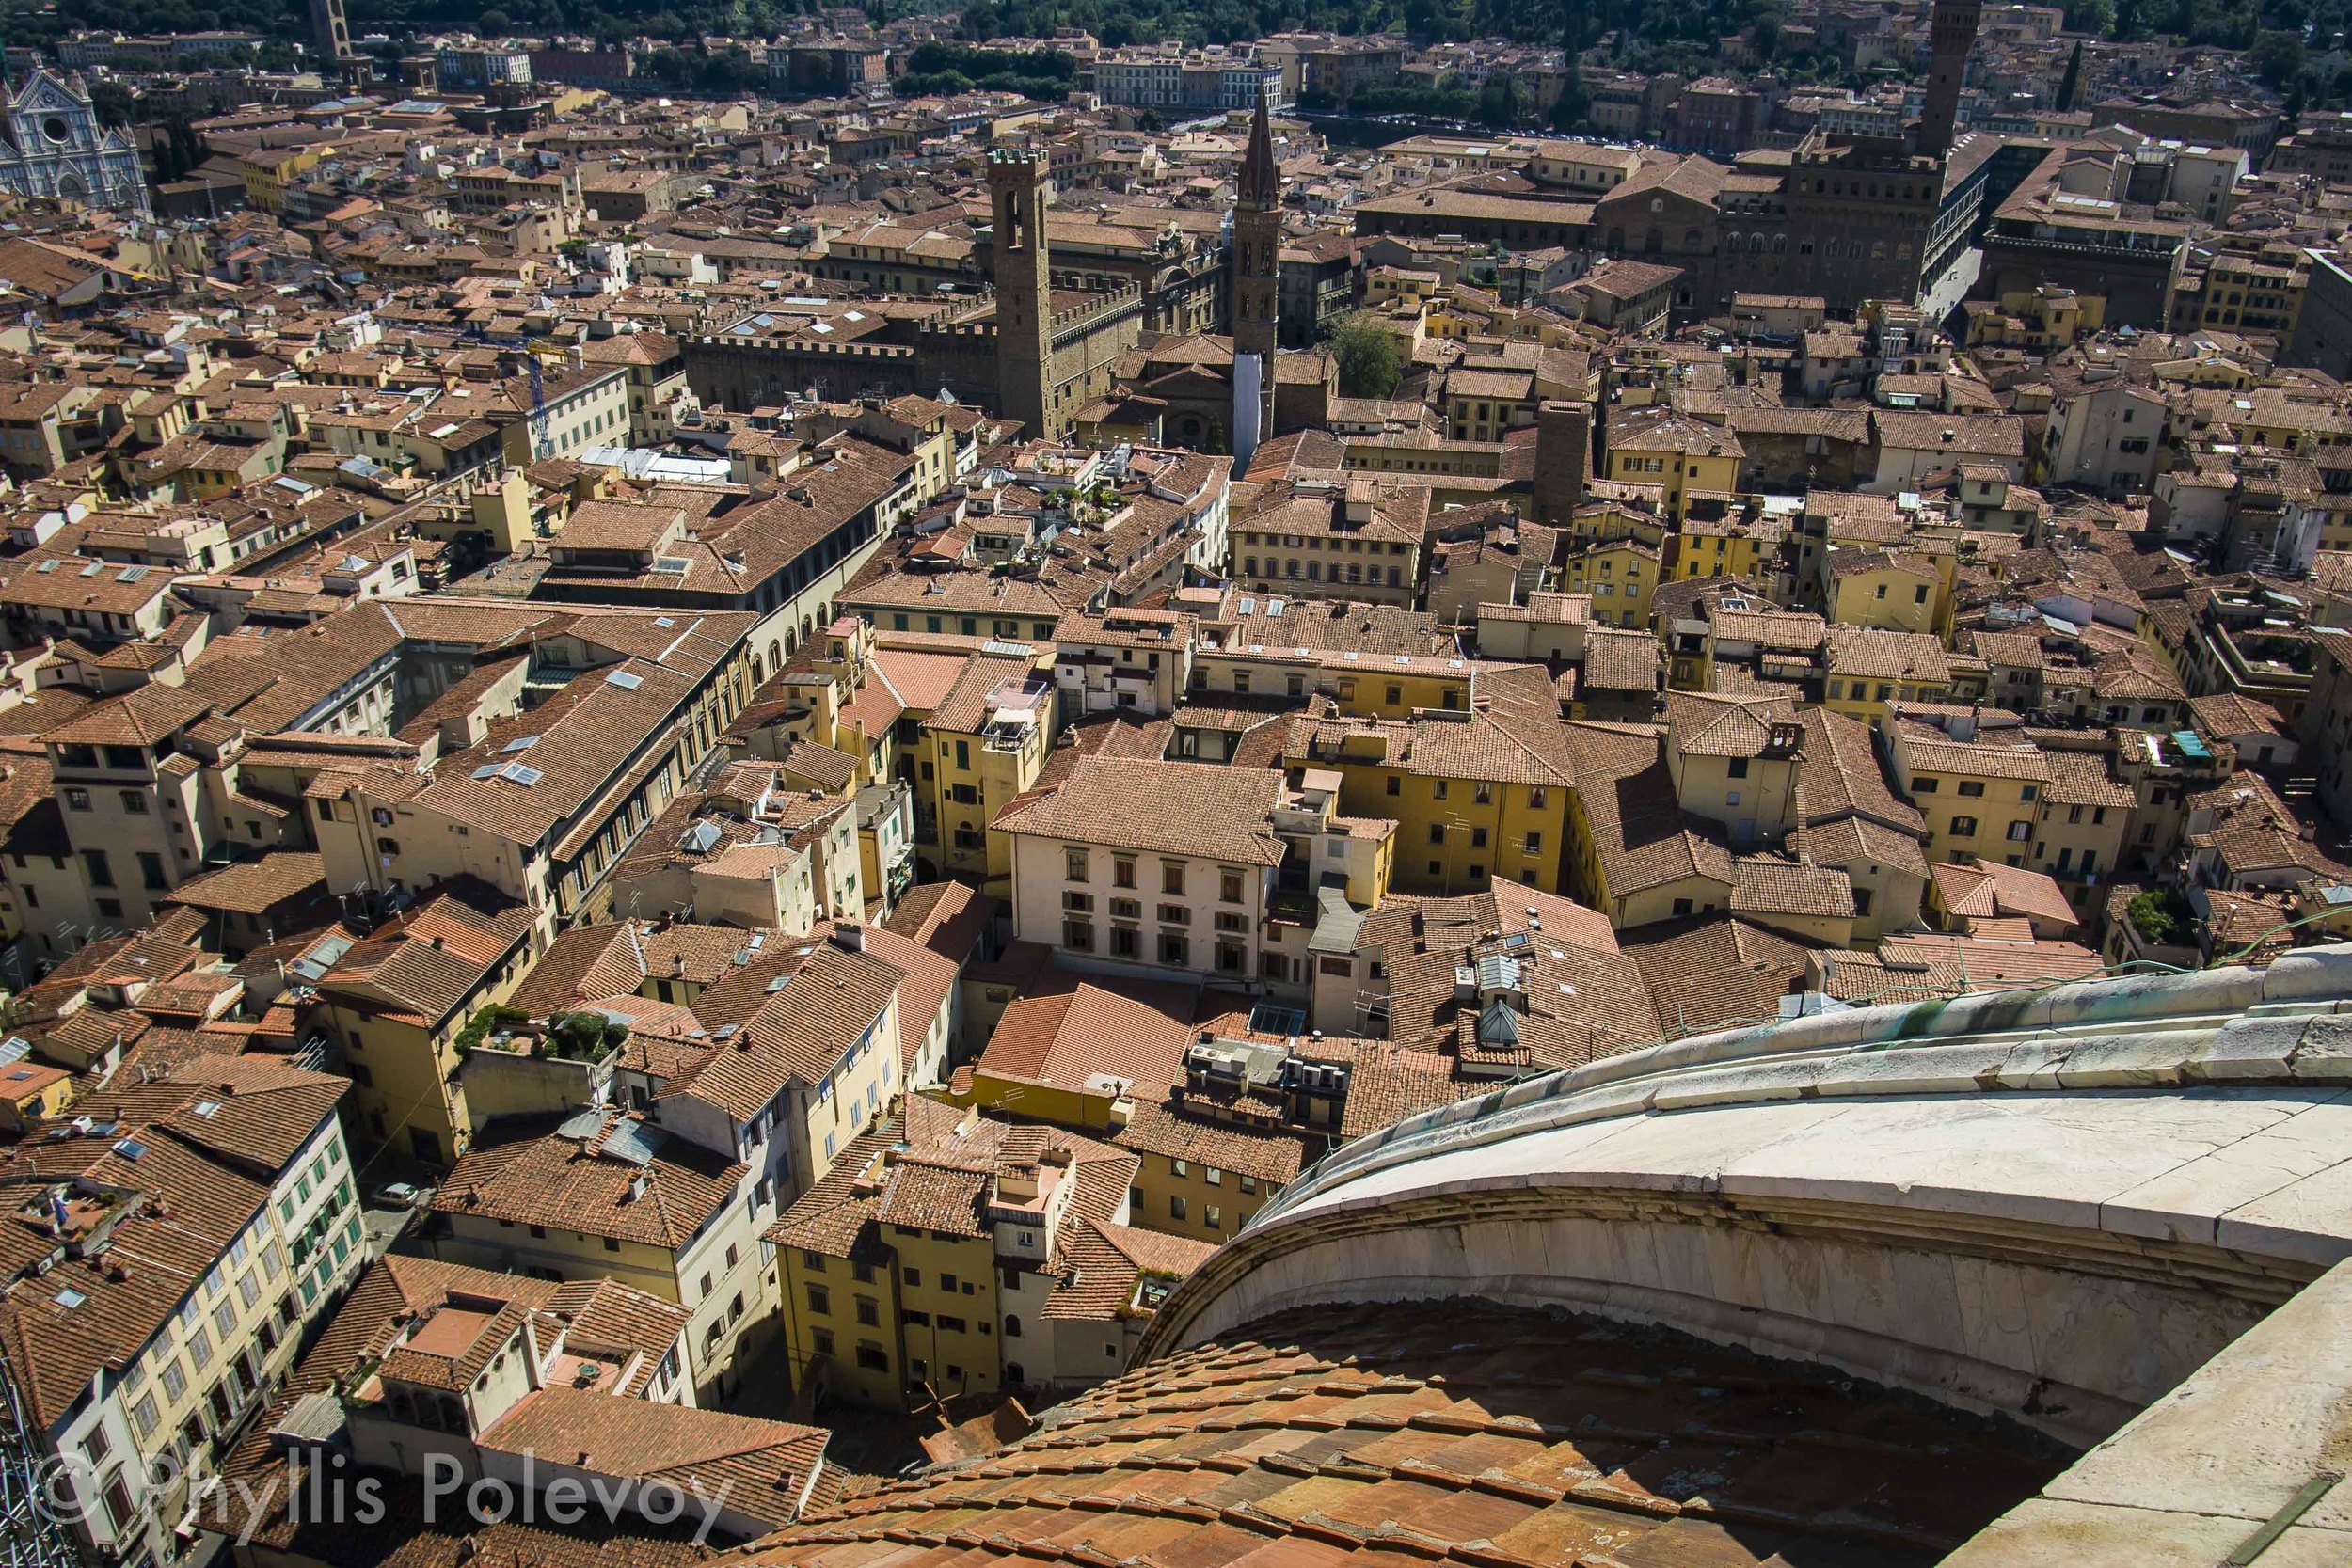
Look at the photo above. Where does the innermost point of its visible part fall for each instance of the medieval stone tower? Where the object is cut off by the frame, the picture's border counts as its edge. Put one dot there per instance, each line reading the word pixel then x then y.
pixel 1257 285
pixel 1025 295
pixel 1950 32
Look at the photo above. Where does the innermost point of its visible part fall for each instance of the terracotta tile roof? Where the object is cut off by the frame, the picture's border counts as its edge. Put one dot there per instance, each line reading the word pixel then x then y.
pixel 253 887
pixel 760 1468
pixel 1711 972
pixel 1990 889
pixel 426 962
pixel 210 1171
pixel 1270 1153
pixel 525 1171
pixel 1172 807
pixel 1071 1031
pixel 1642 836
pixel 1099 1265
pixel 1767 884
pixel 1383 1435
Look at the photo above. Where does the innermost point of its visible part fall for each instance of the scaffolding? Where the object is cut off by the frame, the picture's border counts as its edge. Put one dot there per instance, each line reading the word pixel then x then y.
pixel 30 1536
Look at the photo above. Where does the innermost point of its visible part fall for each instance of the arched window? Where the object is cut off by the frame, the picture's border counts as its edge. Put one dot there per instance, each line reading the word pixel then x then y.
pixel 1654 242
pixel 1690 240
pixel 1756 245
pixel 1013 1326
pixel 1878 250
pixel 1836 247
pixel 1780 245
pixel 1616 241
pixel 1902 251
pixel 1013 1373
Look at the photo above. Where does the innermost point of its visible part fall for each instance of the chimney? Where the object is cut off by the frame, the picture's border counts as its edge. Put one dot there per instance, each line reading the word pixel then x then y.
pixel 849 936
pixel 1564 459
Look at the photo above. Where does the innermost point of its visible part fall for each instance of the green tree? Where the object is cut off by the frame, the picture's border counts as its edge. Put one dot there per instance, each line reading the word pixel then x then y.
pixel 2278 57
pixel 1369 364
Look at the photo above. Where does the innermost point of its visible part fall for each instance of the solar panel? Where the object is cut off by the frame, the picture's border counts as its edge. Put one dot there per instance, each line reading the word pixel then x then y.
pixel 132 574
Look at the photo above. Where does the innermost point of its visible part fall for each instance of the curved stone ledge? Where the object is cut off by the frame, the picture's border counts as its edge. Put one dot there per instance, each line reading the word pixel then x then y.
pixel 2052 1204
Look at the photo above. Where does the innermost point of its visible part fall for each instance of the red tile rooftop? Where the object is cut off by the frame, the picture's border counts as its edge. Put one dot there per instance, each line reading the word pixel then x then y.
pixel 451 1332
pixel 1391 1435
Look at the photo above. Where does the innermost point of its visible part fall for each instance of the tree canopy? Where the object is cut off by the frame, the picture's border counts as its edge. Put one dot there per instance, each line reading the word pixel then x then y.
pixel 1369 363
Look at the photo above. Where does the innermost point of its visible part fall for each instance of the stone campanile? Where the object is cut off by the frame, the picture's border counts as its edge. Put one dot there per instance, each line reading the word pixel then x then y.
pixel 1951 31
pixel 1025 295
pixel 1257 287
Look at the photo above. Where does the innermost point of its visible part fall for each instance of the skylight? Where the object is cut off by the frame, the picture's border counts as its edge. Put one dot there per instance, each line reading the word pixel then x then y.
pixel 521 774
pixel 525 744
pixel 623 679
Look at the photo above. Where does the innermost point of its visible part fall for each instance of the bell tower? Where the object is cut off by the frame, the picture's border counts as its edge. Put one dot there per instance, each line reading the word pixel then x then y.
pixel 1257 288
pixel 1951 29
pixel 1025 295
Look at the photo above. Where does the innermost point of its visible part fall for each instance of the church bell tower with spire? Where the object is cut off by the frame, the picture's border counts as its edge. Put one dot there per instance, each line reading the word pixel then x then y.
pixel 1257 288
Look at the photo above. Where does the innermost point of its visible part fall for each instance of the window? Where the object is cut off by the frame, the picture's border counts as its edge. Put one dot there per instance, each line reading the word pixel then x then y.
pixel 134 801
pixel 1395 786
pixel 913 1276
pixel 1972 787
pixel 1964 827
pixel 1532 844
pixel 1078 935
pixel 77 800
pixel 94 862
pixel 1013 1326
pixel 1083 903
pixel 1124 871
pixel 1125 943
pixel 2020 830
pixel 1175 1207
pixel 872 1357
pixel 388 846
pixel 1924 787
pixel 1229 886
pixel 819 1299
pixel 1073 864
pixel 1738 768
pixel 1212 1216
pixel 152 872
pixel 1175 948
pixel 1173 877
pixel 867 1313
pixel 1437 832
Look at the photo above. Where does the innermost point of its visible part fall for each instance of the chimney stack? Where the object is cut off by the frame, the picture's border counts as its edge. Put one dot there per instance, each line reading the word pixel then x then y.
pixel 1564 459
